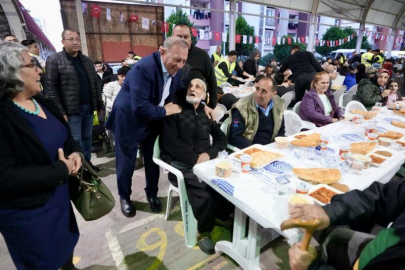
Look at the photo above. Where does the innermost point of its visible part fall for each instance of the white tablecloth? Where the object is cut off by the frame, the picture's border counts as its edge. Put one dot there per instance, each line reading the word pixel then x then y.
pixel 257 197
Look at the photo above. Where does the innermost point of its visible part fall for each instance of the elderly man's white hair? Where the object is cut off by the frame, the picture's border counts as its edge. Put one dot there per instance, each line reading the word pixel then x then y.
pixel 202 83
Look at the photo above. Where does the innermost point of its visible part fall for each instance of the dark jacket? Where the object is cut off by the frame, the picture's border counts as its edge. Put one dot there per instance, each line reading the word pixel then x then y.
pixel 28 177
pixel 368 93
pixel 250 67
pixel 187 134
pixel 381 204
pixel 360 75
pixel 200 67
pixel 61 83
pixel 138 99
pixel 312 108
pixel 301 62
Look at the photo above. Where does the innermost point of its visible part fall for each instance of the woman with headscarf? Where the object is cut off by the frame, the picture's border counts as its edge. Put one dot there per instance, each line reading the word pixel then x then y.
pixel 37 156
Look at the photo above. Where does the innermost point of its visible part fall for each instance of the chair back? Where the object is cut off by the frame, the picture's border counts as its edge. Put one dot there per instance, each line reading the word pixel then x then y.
pixel 225 124
pixel 296 108
pixel 354 105
pixel 337 95
pixel 219 111
pixel 344 100
pixel 352 91
pixel 288 97
pixel 293 123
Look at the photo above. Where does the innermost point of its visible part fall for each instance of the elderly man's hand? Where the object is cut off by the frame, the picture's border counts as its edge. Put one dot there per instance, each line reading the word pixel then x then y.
pixel 203 157
pixel 172 109
pixel 309 212
pixel 300 260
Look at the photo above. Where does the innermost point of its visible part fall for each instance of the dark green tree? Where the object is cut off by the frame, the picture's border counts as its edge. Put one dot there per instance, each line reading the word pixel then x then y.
pixel 179 17
pixel 282 51
pixel 265 60
pixel 242 28
pixel 336 33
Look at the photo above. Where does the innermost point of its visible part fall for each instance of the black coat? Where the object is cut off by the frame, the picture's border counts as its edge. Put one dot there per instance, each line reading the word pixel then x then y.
pixel 28 177
pixel 250 67
pixel 61 83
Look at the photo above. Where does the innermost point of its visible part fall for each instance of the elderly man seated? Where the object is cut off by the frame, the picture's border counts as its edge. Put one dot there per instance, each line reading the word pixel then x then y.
pixel 186 142
pixel 258 118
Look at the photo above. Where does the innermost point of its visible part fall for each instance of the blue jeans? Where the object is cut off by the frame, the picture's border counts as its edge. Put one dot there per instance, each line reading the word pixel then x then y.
pixel 81 127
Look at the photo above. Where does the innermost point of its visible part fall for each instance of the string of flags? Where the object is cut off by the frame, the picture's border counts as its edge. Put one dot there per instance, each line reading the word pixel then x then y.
pixel 96 10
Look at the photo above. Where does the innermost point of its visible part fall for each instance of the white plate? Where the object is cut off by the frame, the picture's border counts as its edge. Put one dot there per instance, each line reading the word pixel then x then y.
pixel 259 146
pixel 316 187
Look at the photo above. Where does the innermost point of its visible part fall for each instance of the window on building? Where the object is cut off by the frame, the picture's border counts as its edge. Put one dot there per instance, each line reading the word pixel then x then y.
pixel 268 34
pixel 270 21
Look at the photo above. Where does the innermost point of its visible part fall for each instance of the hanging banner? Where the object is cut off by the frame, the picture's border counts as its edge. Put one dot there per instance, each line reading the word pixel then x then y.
pixel 165 27
pixel 237 38
pixel 302 40
pixel 317 42
pixel 217 36
pixel 382 38
pixel 273 40
pixel 244 39
pixel 121 17
pixel 193 31
pixel 133 18
pixel 250 39
pixel 306 39
pixel 289 40
pixel 209 35
pixel 327 43
pixel 278 40
pixel 283 41
pixel 145 23
pixel 224 37
pixel 96 11
pixel 257 39
pixel 84 8
pixel 202 34
pixel 108 10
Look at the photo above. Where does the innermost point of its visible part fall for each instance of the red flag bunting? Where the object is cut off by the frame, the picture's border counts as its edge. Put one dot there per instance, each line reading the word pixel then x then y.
pixel 345 39
pixel 237 38
pixel 257 39
pixel 96 11
pixel 317 42
pixel 217 36
pixel 327 43
pixel 165 27
pixel 289 40
pixel 274 41
pixel 133 18
pixel 193 31
pixel 302 39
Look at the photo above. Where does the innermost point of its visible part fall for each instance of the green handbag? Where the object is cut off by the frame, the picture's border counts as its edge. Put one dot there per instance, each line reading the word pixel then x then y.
pixel 89 194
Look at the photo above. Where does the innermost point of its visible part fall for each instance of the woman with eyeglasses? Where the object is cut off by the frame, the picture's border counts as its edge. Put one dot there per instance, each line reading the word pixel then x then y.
pixel 37 156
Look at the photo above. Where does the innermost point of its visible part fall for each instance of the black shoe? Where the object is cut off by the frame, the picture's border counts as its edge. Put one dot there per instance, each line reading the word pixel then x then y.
pixel 127 208
pixel 95 168
pixel 205 243
pixel 155 204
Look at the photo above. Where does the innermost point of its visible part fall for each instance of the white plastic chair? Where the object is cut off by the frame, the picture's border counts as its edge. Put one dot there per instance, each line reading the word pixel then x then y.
pixel 352 91
pixel 354 105
pixel 344 100
pixel 294 124
pixel 337 95
pixel 224 128
pixel 296 108
pixel 288 97
pixel 189 221
pixel 219 111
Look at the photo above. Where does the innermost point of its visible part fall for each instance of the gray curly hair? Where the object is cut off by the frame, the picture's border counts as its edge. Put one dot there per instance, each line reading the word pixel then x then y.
pixel 11 61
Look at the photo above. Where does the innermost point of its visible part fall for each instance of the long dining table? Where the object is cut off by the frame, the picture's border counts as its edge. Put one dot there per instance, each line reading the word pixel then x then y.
pixel 256 195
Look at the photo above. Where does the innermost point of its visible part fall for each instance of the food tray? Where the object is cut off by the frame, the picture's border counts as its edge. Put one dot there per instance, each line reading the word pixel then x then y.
pixel 237 161
pixel 380 148
pixel 316 187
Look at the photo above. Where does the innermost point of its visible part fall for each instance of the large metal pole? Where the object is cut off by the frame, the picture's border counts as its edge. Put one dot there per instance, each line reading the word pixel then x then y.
pixel 81 29
pixel 312 27
pixel 388 45
pixel 232 25
pixel 360 37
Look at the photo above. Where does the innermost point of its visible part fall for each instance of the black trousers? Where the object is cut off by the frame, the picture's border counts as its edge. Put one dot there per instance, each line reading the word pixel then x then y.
pixel 206 203
pixel 301 84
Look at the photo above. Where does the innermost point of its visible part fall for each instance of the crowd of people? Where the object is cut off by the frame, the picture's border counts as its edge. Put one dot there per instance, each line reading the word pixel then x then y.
pixel 47 109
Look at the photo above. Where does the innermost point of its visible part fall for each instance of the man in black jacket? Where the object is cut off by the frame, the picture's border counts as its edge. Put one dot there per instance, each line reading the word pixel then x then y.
pixel 381 204
pixel 303 66
pixel 186 142
pixel 71 81
pixel 198 65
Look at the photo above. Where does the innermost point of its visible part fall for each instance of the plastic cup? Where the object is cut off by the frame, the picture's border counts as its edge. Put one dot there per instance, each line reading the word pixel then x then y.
pixel 281 142
pixel 324 142
pixel 223 168
pixel 372 137
pixel 358 119
pixel 385 141
pixel 344 151
pixel 245 163
pixel 302 187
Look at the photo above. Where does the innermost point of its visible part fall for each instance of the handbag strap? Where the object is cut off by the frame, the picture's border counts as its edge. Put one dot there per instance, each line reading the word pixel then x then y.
pixel 88 168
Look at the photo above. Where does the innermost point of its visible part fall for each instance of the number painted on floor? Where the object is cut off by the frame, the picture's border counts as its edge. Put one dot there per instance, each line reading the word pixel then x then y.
pixel 162 243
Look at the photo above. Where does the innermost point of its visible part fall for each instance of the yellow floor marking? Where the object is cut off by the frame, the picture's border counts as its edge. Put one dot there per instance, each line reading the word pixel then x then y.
pixel 220 265
pixel 201 264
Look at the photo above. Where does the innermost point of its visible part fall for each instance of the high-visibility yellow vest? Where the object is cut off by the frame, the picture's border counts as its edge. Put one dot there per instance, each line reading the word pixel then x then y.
pixel 221 78
pixel 137 58
pixel 217 57
pixel 379 59
pixel 366 56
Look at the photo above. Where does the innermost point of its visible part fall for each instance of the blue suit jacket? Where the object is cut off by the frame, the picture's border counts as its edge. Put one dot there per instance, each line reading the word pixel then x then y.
pixel 136 105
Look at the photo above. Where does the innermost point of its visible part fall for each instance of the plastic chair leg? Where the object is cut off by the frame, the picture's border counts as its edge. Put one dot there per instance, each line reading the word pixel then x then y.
pixel 169 202
pixel 189 224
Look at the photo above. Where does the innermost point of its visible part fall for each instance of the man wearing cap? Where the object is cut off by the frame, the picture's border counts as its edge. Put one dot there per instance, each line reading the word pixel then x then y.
pixel 190 131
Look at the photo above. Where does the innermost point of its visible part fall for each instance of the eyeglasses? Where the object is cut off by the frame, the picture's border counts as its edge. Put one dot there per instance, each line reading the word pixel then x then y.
pixel 73 39
pixel 30 65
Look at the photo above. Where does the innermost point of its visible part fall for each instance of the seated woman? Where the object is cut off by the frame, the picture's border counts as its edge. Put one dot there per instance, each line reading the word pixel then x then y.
pixel 318 105
pixel 370 91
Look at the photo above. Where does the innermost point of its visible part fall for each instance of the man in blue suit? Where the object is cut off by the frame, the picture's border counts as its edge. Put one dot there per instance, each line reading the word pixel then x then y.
pixel 143 101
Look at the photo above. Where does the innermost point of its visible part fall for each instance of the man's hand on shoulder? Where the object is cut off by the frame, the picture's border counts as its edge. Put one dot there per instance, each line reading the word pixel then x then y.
pixel 209 112
pixel 203 157
pixel 172 109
